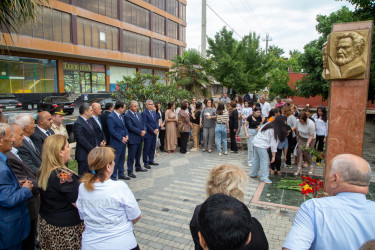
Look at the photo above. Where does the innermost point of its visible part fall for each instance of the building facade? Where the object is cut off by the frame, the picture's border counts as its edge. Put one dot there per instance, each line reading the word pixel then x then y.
pixel 86 46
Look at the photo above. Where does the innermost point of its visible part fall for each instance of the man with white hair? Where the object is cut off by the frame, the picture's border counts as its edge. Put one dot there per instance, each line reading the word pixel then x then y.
pixel 28 152
pixel 345 219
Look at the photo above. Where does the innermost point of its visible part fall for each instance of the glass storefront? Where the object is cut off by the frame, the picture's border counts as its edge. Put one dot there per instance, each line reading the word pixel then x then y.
pixel 84 78
pixel 117 74
pixel 27 75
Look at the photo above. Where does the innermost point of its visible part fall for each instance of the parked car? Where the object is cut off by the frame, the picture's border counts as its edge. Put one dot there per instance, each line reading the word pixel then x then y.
pixel 107 100
pixel 9 101
pixel 51 102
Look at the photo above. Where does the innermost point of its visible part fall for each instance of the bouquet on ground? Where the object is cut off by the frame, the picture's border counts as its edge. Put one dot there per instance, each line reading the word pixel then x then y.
pixel 312 188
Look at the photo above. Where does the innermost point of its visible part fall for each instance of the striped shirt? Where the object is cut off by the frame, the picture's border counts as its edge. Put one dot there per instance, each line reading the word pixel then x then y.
pixel 224 118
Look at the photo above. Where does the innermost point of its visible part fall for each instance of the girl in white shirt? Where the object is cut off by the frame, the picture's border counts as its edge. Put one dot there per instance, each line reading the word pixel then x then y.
pixel 108 208
pixel 321 127
pixel 267 137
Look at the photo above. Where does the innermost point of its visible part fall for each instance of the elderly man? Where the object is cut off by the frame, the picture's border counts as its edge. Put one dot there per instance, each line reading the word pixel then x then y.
pixel 57 123
pixel 42 130
pixel 345 220
pixel 225 98
pixel 266 108
pixel 97 124
pixel 15 219
pixel 152 129
pixel 22 172
pixel 279 102
pixel 28 152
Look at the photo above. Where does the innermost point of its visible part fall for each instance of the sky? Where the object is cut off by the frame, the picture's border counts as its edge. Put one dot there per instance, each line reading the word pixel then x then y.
pixel 289 23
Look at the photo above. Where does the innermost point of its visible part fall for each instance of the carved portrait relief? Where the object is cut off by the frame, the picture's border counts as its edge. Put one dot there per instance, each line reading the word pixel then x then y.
pixel 345 55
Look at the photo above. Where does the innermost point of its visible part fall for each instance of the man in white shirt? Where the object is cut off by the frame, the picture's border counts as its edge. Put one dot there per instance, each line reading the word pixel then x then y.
pixel 266 107
pixel 97 124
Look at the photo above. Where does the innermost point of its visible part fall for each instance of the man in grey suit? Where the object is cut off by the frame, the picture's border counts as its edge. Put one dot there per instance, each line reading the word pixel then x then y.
pixel 23 172
pixel 42 130
pixel 28 152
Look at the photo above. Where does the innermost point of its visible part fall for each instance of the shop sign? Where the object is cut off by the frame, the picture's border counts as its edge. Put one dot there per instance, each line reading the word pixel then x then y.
pixel 98 68
pixel 77 67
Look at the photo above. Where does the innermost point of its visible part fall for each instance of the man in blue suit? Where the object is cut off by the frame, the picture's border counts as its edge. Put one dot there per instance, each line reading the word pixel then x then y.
pixel 137 131
pixel 152 125
pixel 85 136
pixel 14 214
pixel 119 137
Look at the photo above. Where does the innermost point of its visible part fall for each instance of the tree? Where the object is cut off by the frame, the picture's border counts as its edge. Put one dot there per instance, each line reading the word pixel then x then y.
pixel 273 49
pixel 240 65
pixel 14 13
pixel 188 71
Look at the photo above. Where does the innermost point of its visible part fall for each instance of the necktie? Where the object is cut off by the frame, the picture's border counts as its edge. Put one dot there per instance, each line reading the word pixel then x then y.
pixel 31 143
pixel 135 114
pixel 48 134
pixel 88 122
pixel 152 115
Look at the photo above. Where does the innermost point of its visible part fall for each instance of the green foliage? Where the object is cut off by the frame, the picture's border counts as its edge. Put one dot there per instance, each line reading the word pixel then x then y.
pixel 189 72
pixel 240 65
pixel 14 13
pixel 276 51
pixel 142 87
pixel 73 165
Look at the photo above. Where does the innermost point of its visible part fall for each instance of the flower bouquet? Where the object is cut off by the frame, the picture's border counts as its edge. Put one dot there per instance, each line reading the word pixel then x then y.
pixel 317 155
pixel 312 188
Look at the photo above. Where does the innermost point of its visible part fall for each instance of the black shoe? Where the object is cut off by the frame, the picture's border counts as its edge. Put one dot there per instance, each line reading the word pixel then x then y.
pixel 132 175
pixel 140 170
pixel 153 163
pixel 147 166
pixel 123 178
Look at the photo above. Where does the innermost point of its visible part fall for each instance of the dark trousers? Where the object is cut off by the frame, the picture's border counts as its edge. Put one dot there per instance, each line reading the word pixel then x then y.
pixel 83 168
pixel 161 137
pixel 233 143
pixel 149 147
pixel 292 141
pixel 184 141
pixel 29 242
pixel 134 153
pixel 319 144
pixel 277 163
pixel 119 162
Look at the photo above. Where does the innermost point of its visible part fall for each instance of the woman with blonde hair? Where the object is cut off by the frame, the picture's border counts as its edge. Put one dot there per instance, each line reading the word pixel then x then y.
pixel 108 207
pixel 60 225
pixel 230 180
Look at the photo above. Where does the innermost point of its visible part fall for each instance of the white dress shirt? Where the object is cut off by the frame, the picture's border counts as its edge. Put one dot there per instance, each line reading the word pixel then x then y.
pixel 266 107
pixel 15 152
pixel 44 131
pixel 97 121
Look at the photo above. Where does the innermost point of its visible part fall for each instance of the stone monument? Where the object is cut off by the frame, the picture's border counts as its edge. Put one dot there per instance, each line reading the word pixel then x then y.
pixel 346 59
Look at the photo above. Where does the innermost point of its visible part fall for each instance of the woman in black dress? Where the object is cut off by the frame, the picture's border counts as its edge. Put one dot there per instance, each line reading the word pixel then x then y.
pixel 233 126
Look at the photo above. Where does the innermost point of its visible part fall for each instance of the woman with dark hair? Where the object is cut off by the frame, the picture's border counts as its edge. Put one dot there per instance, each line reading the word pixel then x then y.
pixel 161 117
pixel 196 113
pixel 186 126
pixel 208 122
pixel 233 127
pixel 292 141
pixel 170 141
pixel 305 138
pixel 252 125
pixel 268 137
pixel 222 128
pixel 108 208
pixel 321 127
pixel 272 114
pixel 239 107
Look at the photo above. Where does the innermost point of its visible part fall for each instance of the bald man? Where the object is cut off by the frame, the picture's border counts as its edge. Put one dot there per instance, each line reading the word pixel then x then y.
pixel 43 129
pixel 345 219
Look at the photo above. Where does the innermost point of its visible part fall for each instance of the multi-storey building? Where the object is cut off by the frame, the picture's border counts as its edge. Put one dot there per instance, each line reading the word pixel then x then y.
pixel 86 46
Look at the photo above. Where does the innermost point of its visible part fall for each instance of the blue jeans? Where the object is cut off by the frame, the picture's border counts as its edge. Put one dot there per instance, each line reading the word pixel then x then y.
pixel 250 146
pixel 261 160
pixel 221 137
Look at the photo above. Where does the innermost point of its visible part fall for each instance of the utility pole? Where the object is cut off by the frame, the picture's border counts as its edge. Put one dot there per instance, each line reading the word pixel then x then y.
pixel 267 39
pixel 203 35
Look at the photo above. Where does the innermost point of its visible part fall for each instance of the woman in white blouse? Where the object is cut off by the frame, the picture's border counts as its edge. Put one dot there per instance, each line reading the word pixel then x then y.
pixel 267 137
pixel 108 208
pixel 321 127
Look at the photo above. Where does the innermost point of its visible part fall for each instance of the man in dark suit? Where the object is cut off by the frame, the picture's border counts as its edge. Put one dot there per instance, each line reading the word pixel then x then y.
pixel 137 130
pixel 97 124
pixel 85 137
pixel 103 119
pixel 152 125
pixel 42 130
pixel 15 219
pixel 23 172
pixel 28 152
pixel 119 137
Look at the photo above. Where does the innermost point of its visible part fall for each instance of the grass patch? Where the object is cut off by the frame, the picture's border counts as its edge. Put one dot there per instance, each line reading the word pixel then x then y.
pixel 73 165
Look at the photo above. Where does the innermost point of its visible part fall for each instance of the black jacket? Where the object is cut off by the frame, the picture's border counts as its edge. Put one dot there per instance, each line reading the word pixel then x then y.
pixel 103 118
pixel 39 137
pixel 30 156
pixel 233 120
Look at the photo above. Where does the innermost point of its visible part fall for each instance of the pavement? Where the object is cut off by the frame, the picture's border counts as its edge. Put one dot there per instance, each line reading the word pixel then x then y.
pixel 167 195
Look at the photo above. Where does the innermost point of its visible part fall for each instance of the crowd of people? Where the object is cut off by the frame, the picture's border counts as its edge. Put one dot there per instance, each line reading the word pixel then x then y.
pixel 91 209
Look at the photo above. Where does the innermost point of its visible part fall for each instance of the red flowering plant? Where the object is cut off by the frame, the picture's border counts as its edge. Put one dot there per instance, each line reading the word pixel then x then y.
pixel 312 188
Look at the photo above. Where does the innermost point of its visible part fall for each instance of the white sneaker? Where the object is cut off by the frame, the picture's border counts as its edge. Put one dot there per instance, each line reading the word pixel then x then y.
pixel 219 154
pixel 225 152
pixel 268 181
pixel 250 164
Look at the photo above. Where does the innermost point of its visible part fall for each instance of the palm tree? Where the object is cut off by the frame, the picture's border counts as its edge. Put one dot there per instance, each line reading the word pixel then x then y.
pixel 14 13
pixel 188 71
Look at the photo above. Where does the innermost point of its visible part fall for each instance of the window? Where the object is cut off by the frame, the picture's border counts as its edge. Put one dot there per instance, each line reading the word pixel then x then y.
pixel 97 35
pixel 136 15
pixel 102 7
pixel 182 33
pixel 52 25
pixel 159 49
pixel 158 24
pixel 172 7
pixel 172 29
pixel 146 71
pixel 172 51
pixel 160 4
pixel 136 44
pixel 162 75
pixel 182 11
